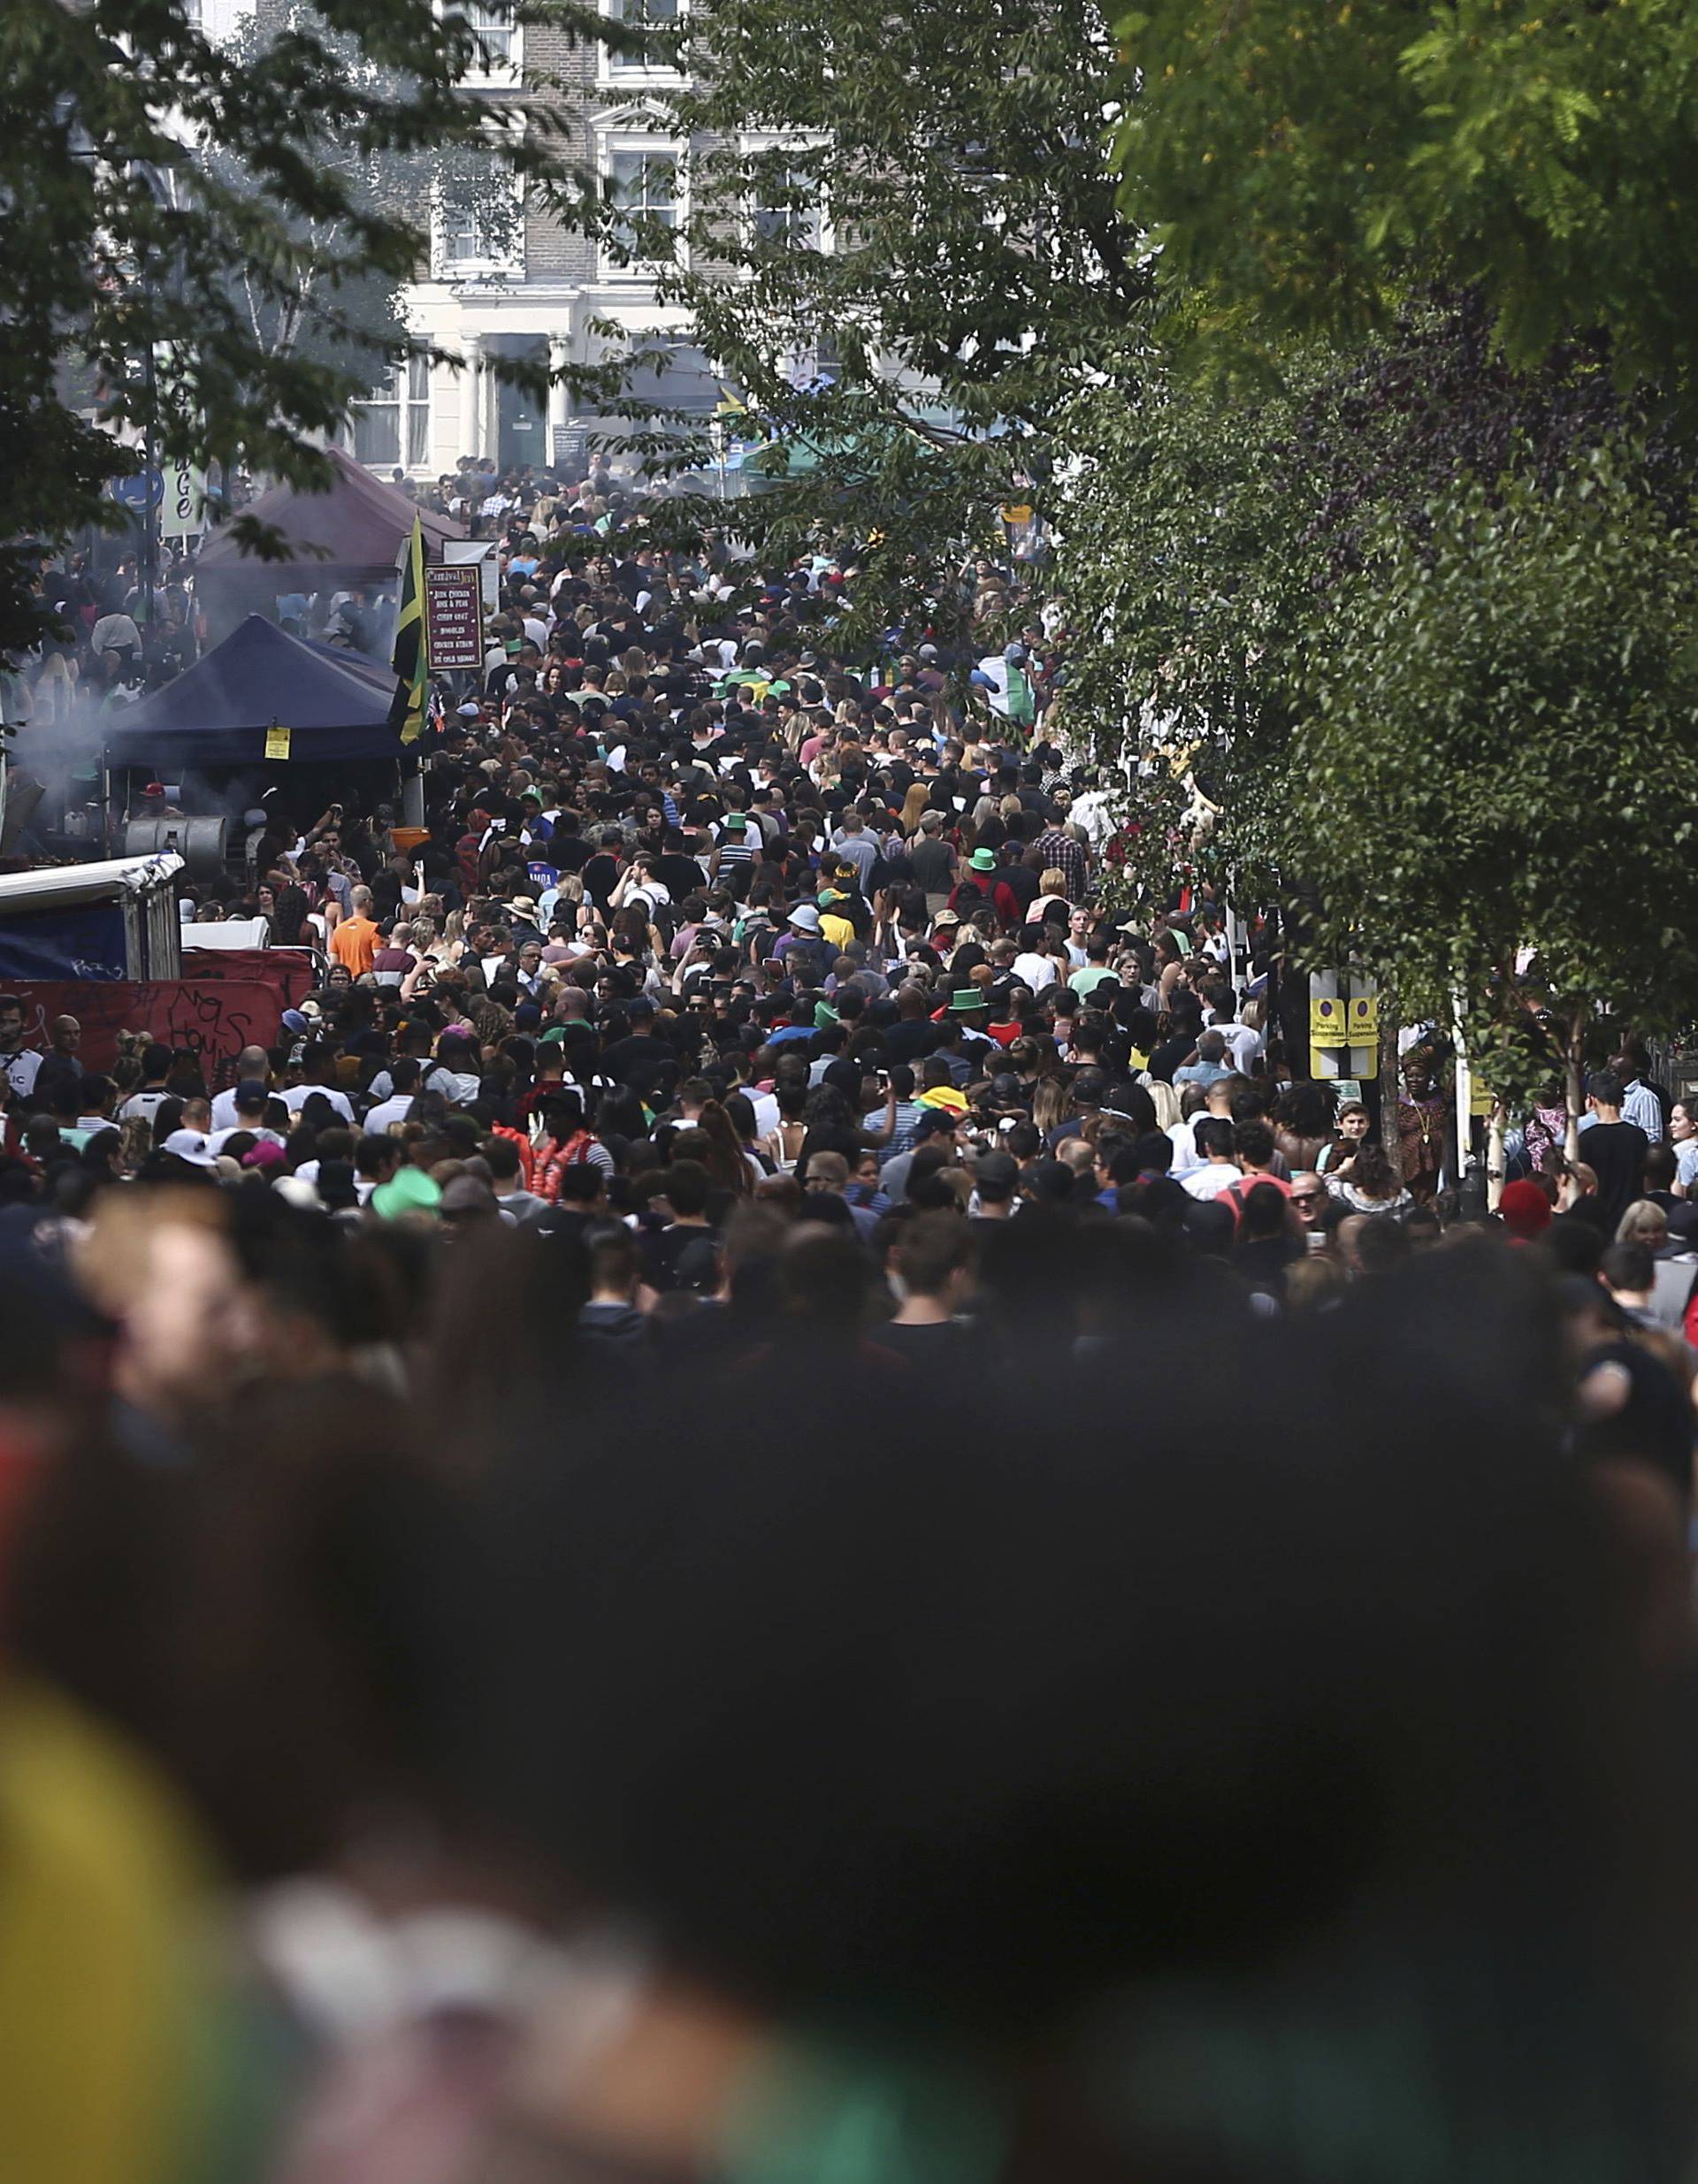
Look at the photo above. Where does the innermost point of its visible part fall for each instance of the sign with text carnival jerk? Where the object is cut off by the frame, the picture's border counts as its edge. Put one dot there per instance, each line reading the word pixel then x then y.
pixel 454 625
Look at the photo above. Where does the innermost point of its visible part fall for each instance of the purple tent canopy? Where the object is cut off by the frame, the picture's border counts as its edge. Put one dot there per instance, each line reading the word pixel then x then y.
pixel 346 537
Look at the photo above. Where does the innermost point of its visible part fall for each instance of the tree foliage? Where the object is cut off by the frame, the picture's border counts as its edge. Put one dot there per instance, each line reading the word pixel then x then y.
pixel 1497 748
pixel 1304 163
pixel 1211 535
pixel 114 247
pixel 976 271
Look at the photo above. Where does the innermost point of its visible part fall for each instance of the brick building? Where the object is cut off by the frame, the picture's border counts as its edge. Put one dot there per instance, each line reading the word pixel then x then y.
pixel 535 290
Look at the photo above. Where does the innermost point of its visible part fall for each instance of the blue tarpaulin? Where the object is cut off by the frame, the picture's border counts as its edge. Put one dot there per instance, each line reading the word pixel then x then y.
pixel 63 940
pixel 218 712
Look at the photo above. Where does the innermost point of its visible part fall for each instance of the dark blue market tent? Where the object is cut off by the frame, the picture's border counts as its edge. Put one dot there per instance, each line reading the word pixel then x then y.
pixel 336 707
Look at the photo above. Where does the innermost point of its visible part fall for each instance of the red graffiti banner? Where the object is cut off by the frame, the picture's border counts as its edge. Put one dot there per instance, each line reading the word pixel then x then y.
pixel 211 1019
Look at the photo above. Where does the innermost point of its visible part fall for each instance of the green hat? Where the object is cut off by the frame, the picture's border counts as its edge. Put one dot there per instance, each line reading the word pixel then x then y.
pixel 983 861
pixel 409 1191
pixel 965 997
pixel 824 1014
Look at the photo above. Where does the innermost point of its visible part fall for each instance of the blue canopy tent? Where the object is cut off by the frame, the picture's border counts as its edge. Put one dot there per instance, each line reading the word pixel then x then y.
pixel 218 712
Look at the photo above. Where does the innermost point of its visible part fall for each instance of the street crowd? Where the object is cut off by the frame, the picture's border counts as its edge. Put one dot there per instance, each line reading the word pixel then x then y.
pixel 780 1499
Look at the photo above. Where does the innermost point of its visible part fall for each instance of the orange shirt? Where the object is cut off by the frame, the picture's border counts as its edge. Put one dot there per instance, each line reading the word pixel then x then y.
pixel 355 943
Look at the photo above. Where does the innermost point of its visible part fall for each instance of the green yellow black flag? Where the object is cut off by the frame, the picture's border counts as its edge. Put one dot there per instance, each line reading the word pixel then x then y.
pixel 412 669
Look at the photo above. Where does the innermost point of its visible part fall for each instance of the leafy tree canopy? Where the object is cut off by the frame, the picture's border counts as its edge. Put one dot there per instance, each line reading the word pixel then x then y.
pixel 1303 164
pixel 904 251
pixel 117 246
pixel 1498 750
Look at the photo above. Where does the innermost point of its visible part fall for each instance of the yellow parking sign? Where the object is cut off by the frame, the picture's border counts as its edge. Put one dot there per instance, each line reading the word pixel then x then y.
pixel 1326 1023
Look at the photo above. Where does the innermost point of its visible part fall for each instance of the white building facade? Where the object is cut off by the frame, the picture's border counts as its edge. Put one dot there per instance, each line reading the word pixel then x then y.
pixel 535 291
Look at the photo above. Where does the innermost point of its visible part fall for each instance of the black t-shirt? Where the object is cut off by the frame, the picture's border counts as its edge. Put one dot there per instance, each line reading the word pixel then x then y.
pixel 638 1061
pixel 1021 883
pixel 681 1257
pixel 932 863
pixel 910 1041
pixel 1170 1055
pixel 1615 1152
pixel 600 877
pixel 944 1344
pixel 681 876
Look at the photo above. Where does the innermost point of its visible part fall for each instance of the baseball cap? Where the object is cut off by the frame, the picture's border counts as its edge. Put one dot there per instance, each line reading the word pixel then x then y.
pixel 267 1154
pixel 293 1020
pixel 191 1145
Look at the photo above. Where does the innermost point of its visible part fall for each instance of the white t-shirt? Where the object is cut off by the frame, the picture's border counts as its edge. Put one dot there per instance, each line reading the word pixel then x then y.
pixel 297 1096
pixel 22 1069
pixel 220 1138
pixel 393 1110
pixel 1213 1178
pixel 1244 1044
pixel 142 1106
pixel 1183 1137
pixel 1034 971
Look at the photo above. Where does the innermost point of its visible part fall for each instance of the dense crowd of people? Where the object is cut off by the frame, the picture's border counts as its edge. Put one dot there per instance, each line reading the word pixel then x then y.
pixel 779 1498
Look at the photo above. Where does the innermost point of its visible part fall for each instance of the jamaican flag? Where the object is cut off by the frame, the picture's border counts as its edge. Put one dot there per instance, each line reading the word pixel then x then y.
pixel 412 669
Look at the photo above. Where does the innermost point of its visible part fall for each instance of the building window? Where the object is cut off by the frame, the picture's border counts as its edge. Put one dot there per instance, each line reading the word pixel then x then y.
pixel 394 425
pixel 653 18
pixel 643 194
pixel 794 222
pixel 787 206
pixel 499 36
pixel 478 226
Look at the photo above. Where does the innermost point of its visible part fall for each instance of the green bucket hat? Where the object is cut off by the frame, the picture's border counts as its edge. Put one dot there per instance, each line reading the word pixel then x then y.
pixel 409 1191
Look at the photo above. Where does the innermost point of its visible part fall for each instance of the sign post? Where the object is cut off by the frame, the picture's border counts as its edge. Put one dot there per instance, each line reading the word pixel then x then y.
pixel 454 627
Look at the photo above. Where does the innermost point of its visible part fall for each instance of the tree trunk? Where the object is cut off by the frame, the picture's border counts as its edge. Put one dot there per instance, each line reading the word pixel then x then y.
pixel 1495 1159
pixel 1390 1084
pixel 1573 1082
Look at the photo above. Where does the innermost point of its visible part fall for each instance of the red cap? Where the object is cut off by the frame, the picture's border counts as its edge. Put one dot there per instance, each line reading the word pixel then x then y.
pixel 1525 1211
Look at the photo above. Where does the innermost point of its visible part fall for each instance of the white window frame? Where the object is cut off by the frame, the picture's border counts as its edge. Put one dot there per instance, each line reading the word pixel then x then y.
pixel 824 239
pixel 456 272
pixel 406 392
pixel 610 143
pixel 502 75
pixel 613 70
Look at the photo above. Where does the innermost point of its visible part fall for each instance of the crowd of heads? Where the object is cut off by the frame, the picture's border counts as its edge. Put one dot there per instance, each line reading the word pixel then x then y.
pixel 776 1491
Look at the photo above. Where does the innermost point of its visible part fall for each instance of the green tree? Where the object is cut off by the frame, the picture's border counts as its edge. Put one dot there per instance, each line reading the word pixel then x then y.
pixel 1207 533
pixel 1496 755
pixel 118 253
pixel 1303 164
pixel 904 255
